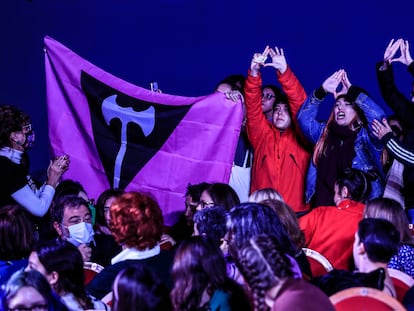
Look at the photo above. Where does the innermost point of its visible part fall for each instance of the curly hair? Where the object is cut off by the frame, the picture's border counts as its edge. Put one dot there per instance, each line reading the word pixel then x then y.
pixel 136 220
pixel 249 219
pixel 263 266
pixel 12 119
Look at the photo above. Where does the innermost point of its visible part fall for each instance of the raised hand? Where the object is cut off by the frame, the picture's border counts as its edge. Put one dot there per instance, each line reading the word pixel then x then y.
pixel 405 57
pixel 380 129
pixel 278 60
pixel 258 61
pixel 391 49
pixel 332 82
pixel 346 84
pixel 56 168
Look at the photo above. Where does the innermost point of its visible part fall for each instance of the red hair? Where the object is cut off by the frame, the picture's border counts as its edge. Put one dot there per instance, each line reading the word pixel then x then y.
pixel 136 220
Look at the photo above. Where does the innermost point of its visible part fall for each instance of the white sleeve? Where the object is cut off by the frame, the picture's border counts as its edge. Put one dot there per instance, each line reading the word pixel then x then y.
pixel 37 205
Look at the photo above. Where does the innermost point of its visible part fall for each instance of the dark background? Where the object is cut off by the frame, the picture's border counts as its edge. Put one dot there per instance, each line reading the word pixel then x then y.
pixel 189 46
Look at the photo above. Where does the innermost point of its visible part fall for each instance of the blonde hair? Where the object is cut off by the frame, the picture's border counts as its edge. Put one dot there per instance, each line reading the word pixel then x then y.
pixel 265 194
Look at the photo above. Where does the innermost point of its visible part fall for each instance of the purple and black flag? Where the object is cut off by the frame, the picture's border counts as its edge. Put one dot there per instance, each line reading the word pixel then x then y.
pixel 121 135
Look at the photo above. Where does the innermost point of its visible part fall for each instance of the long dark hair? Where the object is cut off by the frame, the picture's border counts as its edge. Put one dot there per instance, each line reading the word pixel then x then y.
pixel 65 259
pixel 199 267
pixel 139 286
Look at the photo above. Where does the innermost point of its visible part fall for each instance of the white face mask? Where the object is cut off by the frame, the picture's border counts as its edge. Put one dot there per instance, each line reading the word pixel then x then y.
pixel 81 233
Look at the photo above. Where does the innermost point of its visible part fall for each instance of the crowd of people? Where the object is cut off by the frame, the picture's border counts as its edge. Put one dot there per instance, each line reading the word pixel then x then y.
pixel 340 187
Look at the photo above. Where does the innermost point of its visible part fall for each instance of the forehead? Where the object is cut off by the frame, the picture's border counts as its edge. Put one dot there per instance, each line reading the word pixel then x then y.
pixel 78 210
pixel 224 87
pixel 25 296
pixel 268 90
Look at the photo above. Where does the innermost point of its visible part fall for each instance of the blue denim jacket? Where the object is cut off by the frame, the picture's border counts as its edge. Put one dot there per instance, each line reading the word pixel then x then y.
pixel 367 147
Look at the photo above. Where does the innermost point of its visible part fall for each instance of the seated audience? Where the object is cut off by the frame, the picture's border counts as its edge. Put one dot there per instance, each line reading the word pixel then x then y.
pixel 17 237
pixel 376 241
pixel 330 230
pixel 392 211
pixel 200 279
pixel 139 286
pixel 29 290
pixel 249 219
pixel 268 273
pixel 61 264
pixel 137 224
pixel 218 194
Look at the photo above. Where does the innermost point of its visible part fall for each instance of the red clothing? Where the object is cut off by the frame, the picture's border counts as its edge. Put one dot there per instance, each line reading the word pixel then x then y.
pixel 280 161
pixel 330 230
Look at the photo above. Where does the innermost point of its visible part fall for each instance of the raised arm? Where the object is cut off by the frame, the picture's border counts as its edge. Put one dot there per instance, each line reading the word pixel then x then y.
pixel 308 123
pixel 256 123
pixel 396 100
pixel 397 149
pixel 290 84
pixel 38 204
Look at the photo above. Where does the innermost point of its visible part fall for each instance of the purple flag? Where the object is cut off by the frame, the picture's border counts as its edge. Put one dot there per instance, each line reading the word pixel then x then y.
pixel 121 135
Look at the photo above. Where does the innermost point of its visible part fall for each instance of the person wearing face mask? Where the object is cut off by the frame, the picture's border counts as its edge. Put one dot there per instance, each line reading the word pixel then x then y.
pixel 342 142
pixel 16 137
pixel 72 220
pixel 280 158
pixel 402 106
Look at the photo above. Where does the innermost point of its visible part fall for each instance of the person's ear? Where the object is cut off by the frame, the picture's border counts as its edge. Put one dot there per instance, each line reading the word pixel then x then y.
pixel 58 228
pixel 53 278
pixel 344 192
pixel 361 249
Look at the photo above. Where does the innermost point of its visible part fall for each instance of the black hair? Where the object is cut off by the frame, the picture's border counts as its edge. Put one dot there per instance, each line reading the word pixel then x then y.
pixel 65 259
pixel 211 222
pixel 139 286
pixel 195 191
pixel 380 238
pixel 357 182
pixel 223 195
pixel 64 202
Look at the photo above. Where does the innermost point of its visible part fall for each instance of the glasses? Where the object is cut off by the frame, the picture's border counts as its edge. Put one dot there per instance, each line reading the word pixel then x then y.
pixel 38 307
pixel 205 204
pixel 268 96
pixel 26 128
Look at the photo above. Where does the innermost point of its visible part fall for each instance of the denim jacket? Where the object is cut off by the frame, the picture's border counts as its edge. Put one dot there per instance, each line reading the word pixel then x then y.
pixel 367 147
